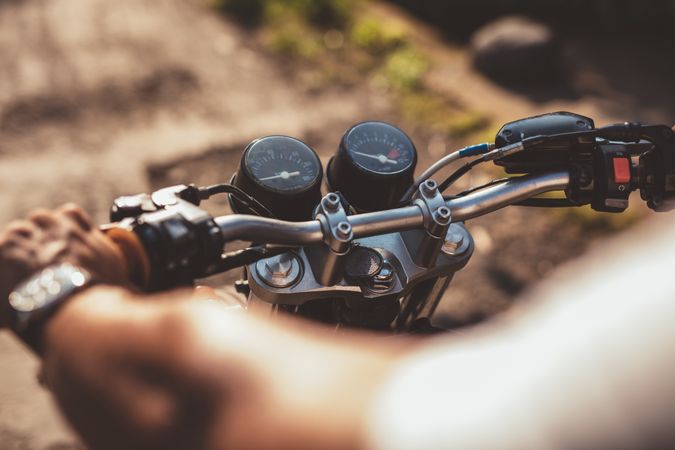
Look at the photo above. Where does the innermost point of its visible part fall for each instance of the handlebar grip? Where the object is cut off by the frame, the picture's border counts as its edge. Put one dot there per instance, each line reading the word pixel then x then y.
pixel 133 251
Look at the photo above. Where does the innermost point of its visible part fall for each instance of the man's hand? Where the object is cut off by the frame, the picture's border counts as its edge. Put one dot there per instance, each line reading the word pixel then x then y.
pixel 66 234
pixel 169 372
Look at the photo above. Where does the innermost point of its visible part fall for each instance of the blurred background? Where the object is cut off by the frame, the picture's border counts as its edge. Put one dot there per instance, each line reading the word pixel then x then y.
pixel 100 99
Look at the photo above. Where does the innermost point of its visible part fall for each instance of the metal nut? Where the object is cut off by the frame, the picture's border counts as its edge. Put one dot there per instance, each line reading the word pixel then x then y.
pixel 279 271
pixel 384 279
pixel 278 267
pixel 456 241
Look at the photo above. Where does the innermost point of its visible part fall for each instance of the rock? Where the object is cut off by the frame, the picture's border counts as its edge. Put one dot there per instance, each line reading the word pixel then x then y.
pixel 516 48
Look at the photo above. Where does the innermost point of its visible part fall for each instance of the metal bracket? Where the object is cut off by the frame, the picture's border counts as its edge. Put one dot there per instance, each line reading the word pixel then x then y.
pixel 425 247
pixel 328 262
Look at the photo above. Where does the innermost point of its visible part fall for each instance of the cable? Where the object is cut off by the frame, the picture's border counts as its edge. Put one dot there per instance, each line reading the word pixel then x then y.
pixel 547 203
pixel 473 150
pixel 490 153
pixel 478 188
pixel 246 200
pixel 627 132
pixel 459 173
pixel 530 202
pixel 493 155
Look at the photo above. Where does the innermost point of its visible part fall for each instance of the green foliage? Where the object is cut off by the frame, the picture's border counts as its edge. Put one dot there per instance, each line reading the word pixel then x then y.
pixel 467 123
pixel 377 37
pixel 405 68
pixel 293 27
pixel 345 43
pixel 441 115
pixel 293 37
pixel 323 13
pixel 488 133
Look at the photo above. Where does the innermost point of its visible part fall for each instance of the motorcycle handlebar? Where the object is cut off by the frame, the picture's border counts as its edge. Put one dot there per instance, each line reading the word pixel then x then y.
pixel 507 193
pixel 153 254
pixel 470 206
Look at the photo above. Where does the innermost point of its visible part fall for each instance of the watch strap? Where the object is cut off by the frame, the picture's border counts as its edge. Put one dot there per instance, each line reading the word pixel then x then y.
pixel 36 300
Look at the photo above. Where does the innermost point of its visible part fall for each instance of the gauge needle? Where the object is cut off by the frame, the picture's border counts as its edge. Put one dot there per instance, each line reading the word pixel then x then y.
pixel 283 175
pixel 383 159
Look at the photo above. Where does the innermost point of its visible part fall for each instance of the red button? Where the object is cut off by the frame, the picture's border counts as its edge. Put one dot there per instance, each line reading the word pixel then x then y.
pixel 621 170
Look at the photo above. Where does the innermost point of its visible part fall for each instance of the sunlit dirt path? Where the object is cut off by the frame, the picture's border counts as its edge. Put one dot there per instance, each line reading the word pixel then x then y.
pixel 92 92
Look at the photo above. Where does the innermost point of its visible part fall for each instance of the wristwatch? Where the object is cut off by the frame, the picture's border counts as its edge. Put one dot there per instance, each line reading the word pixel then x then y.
pixel 36 300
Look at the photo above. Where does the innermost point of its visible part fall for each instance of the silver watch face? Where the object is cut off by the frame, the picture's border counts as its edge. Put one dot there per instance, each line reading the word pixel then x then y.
pixel 50 285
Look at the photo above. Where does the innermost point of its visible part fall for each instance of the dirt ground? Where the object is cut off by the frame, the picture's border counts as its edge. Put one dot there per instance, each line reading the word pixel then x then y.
pixel 99 99
pixel 93 93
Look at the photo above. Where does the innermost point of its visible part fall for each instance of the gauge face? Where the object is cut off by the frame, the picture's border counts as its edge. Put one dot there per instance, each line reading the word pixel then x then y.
pixel 379 148
pixel 282 164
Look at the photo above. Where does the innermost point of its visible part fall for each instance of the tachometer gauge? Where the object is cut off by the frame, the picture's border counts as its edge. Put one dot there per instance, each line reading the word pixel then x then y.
pixel 282 173
pixel 379 148
pixel 374 166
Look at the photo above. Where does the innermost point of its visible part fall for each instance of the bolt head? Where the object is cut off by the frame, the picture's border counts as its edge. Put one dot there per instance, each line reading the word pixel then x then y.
pixel 429 187
pixel 385 274
pixel 451 246
pixel 442 215
pixel 344 230
pixel 279 271
pixel 384 279
pixel 455 241
pixel 279 266
pixel 331 202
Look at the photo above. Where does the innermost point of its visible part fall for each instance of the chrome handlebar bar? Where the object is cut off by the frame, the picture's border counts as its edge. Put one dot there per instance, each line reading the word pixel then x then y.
pixel 507 193
pixel 470 206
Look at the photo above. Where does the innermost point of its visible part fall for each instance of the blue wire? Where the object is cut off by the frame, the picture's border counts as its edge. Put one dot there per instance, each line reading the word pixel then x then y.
pixel 474 150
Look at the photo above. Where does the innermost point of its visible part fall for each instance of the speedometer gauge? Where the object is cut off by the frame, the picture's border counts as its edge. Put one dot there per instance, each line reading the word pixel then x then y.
pixel 282 173
pixel 379 148
pixel 282 164
pixel 374 166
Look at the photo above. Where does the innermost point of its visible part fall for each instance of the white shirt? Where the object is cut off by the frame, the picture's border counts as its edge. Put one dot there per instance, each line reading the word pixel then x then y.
pixel 589 364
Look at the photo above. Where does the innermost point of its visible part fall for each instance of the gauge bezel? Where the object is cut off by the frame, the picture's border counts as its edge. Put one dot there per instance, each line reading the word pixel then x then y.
pixel 308 185
pixel 344 147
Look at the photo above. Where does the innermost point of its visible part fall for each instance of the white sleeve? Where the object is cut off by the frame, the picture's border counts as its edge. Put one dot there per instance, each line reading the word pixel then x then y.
pixel 589 365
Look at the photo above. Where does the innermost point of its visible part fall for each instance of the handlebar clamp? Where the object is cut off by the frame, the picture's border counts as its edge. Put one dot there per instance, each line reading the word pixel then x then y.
pixel 437 217
pixel 328 261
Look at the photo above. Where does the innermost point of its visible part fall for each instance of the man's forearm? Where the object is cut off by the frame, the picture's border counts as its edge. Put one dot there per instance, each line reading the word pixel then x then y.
pixel 109 364
pixel 164 371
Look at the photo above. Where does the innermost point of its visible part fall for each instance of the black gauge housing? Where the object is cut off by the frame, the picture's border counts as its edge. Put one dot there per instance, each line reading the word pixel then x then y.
pixel 373 167
pixel 282 173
